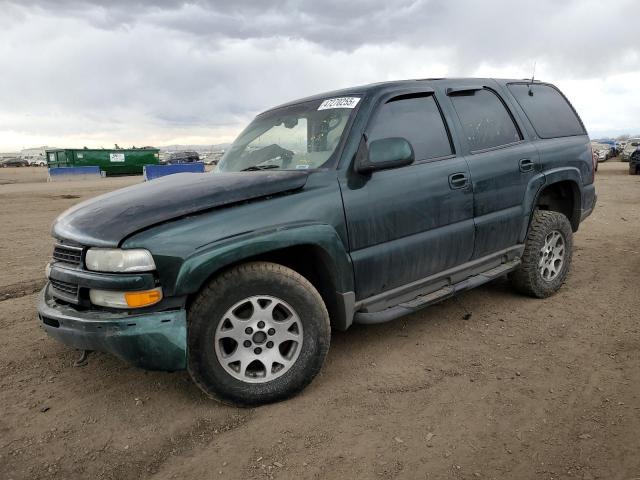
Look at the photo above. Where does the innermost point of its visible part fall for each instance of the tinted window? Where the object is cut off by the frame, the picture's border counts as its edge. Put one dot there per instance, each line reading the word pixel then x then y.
pixel 485 120
pixel 417 119
pixel 547 110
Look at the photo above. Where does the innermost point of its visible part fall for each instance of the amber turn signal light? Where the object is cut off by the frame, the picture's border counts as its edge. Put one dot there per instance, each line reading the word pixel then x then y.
pixel 144 298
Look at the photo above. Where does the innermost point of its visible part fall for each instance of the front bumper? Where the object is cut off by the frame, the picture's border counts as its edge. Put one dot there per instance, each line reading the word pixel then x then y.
pixel 155 341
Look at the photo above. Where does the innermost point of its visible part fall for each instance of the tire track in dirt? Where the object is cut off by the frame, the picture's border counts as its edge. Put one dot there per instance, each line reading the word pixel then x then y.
pixel 21 289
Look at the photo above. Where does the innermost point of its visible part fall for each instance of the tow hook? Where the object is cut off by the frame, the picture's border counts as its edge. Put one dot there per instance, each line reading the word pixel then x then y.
pixel 82 359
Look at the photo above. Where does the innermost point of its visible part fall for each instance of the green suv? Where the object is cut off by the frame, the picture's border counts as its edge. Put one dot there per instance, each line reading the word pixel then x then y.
pixel 355 206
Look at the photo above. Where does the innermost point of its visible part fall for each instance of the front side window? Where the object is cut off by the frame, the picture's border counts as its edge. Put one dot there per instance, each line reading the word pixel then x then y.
pixel 547 110
pixel 416 119
pixel 301 136
pixel 485 120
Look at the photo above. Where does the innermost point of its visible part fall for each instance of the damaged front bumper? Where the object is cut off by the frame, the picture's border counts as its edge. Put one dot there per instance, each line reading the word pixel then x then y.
pixel 155 341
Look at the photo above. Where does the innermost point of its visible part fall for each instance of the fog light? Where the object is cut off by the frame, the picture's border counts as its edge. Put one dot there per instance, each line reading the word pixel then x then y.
pixel 108 298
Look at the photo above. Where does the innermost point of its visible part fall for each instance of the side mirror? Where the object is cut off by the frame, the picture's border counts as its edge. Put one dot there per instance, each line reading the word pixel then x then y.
pixel 393 152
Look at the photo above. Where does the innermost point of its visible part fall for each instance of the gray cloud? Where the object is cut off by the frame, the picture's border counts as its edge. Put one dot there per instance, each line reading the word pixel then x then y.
pixel 162 69
pixel 571 34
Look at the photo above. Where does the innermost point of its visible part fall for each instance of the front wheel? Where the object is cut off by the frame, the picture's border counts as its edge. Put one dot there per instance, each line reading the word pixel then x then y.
pixel 547 255
pixel 258 333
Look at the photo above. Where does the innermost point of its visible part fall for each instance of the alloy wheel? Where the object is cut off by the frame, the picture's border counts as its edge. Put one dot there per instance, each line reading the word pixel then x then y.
pixel 552 256
pixel 259 339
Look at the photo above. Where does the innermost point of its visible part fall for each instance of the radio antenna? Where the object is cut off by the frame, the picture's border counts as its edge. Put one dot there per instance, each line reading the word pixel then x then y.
pixel 533 75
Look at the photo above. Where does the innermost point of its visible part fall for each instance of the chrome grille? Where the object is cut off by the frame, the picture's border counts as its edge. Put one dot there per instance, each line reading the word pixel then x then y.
pixel 67 254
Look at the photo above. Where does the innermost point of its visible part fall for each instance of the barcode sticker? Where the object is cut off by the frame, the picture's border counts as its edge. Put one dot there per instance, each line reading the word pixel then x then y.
pixel 340 102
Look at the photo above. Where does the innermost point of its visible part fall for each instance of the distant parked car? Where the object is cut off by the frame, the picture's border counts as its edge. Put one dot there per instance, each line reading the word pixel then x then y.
pixel 14 162
pixel 603 155
pixel 633 144
pixel 182 157
pixel 36 161
pixel 613 147
pixel 601 151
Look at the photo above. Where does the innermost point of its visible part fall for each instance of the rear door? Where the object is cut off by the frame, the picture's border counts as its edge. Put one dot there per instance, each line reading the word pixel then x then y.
pixel 501 162
pixel 408 223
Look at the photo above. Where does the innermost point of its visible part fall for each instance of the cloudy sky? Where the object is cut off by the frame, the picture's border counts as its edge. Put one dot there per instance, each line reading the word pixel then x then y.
pixel 158 72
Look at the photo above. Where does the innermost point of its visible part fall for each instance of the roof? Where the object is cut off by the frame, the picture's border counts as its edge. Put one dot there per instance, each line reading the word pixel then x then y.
pixel 375 87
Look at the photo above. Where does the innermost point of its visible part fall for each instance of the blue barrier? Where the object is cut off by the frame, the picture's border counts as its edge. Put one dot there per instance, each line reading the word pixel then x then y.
pixel 157 171
pixel 73 173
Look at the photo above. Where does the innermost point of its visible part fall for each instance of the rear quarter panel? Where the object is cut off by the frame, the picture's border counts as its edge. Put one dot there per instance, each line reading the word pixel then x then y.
pixel 560 159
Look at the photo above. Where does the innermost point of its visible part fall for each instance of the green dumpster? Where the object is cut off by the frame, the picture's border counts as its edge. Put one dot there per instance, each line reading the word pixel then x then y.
pixel 122 161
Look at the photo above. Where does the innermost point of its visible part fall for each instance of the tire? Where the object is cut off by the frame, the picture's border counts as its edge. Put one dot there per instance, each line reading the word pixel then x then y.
pixel 531 277
pixel 240 299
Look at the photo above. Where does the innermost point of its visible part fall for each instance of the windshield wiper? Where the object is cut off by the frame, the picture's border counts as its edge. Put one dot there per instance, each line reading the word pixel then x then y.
pixel 259 167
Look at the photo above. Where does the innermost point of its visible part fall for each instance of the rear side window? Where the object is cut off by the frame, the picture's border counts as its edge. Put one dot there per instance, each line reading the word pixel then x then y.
pixel 485 120
pixel 416 119
pixel 547 110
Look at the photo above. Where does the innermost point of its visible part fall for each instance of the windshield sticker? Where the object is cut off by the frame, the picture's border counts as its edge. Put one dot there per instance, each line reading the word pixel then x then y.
pixel 340 102
pixel 302 167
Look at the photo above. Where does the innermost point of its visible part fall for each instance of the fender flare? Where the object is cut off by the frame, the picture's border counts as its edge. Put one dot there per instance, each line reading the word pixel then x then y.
pixel 214 257
pixel 543 180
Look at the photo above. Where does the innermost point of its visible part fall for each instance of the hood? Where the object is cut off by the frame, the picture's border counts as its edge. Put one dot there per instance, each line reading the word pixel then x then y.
pixel 104 221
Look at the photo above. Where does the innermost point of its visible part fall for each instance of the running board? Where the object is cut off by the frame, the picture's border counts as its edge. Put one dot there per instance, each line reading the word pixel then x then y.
pixel 421 301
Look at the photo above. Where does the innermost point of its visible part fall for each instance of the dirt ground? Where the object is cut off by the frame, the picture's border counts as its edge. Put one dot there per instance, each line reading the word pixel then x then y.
pixel 520 389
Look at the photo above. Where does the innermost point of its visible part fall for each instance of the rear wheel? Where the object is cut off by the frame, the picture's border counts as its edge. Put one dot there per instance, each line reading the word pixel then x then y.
pixel 547 255
pixel 259 333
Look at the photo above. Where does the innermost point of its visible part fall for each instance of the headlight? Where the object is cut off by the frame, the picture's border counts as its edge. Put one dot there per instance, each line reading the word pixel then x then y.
pixel 118 260
pixel 108 298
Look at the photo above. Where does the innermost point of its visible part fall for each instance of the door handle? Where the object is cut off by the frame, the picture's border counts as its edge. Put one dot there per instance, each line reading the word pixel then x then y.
pixel 458 180
pixel 526 165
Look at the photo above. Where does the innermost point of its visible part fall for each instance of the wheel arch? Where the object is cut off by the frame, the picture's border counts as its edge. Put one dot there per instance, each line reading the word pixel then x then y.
pixel 556 190
pixel 314 251
pixel 563 196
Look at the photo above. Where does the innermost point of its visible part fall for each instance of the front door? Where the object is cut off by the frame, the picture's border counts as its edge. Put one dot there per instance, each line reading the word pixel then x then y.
pixel 407 223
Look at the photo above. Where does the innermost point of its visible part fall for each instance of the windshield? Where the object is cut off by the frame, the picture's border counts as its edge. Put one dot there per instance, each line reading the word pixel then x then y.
pixel 302 136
